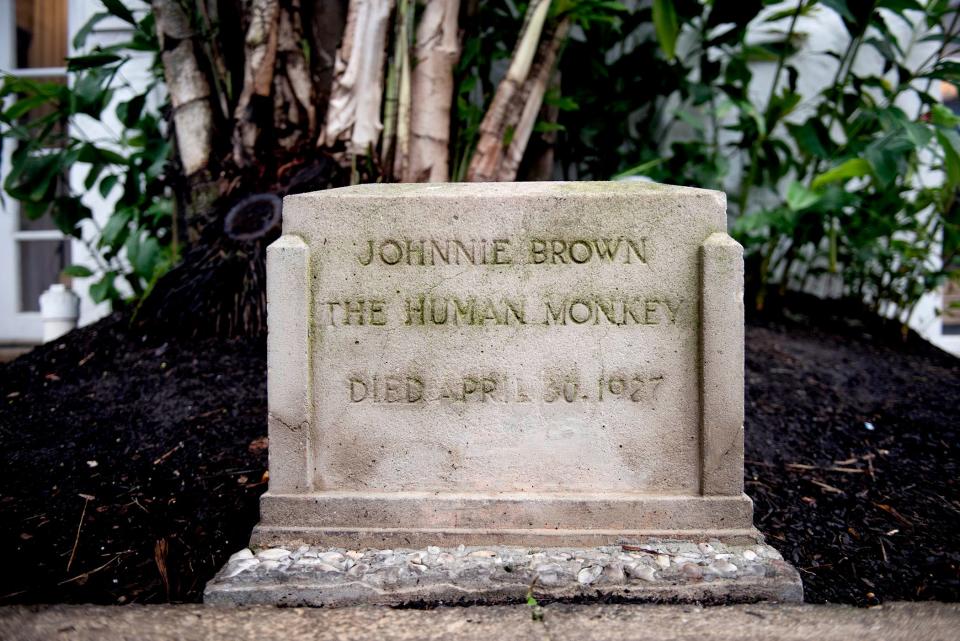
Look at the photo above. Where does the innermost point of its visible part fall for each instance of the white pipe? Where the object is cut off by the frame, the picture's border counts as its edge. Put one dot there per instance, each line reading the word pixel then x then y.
pixel 59 309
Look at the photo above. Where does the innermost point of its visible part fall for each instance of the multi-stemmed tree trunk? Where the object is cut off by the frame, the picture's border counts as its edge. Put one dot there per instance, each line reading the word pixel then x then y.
pixel 322 93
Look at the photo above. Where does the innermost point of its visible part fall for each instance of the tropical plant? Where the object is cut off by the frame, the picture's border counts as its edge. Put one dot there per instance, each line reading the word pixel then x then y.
pixel 850 189
pixel 46 123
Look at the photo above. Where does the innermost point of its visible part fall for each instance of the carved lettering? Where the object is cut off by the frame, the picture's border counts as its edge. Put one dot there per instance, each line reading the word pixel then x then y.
pixel 503 387
pixel 421 252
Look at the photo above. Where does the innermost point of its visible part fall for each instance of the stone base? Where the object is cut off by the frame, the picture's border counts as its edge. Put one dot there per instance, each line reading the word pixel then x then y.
pixel 360 520
pixel 656 571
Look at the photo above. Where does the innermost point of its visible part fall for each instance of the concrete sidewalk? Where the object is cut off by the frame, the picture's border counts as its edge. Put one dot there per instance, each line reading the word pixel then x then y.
pixel 907 621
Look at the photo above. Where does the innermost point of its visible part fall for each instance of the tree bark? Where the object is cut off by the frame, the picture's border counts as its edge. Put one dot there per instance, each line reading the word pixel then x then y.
pixel 353 115
pixel 260 48
pixel 436 54
pixel 532 99
pixel 187 85
pixel 295 113
pixel 505 113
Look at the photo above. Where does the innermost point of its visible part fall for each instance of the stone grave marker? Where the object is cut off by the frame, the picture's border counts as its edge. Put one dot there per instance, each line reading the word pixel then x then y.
pixel 536 366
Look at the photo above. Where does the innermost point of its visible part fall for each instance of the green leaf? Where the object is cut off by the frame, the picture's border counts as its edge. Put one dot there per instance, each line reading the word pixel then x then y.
pixel 114 232
pixel 949 141
pixel 118 9
pixel 799 197
pixel 948 70
pixel 95 170
pixel 77 271
pixel 887 155
pixel 22 107
pixel 129 112
pixel 107 184
pixel 89 61
pixel 103 289
pixel 840 6
pixel 666 26
pixel 148 257
pixel 853 168
pixel 67 212
pixel 943 116
pixel 641 169
pixel 899 6
pixel 80 38
pixel 811 137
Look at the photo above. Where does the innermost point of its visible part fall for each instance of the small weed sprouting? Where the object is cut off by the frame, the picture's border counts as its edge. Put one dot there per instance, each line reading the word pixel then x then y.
pixel 536 610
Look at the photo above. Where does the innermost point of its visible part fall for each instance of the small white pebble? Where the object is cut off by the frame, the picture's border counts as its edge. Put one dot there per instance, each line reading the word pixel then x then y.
pixel 92 464
pixel 725 567
pixel 589 574
pixel 245 553
pixel 273 554
pixel 705 548
pixel 238 566
pixel 663 561
pixel 749 555
pixel 642 572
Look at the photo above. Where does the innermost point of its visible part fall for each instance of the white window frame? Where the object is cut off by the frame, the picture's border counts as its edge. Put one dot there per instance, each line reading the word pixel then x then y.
pixel 17 326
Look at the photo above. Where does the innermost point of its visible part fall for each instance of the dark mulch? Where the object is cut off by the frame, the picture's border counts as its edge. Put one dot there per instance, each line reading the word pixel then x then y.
pixel 131 466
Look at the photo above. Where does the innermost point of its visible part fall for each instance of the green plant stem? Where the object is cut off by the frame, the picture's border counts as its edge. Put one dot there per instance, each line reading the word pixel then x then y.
pixel 949 36
pixel 782 59
pixel 842 77
pixel 750 176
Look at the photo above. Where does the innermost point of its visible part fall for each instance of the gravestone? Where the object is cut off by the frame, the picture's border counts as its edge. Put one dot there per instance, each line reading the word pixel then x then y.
pixel 537 366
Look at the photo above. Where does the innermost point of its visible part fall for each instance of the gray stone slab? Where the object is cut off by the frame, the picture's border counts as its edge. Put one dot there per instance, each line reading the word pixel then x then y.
pixel 928 621
pixel 668 572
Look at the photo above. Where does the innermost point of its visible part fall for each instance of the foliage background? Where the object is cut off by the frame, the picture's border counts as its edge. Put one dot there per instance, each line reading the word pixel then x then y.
pixel 849 191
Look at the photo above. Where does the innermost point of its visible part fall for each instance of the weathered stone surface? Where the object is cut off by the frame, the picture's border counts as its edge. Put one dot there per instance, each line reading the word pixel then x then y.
pixel 494 574
pixel 535 364
pixel 927 620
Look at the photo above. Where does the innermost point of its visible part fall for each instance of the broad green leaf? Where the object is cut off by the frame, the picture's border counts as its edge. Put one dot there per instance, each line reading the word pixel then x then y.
pixel 129 112
pixel 949 141
pixel 120 10
pixel 103 289
pixel 840 6
pixel 77 271
pixel 22 107
pixel 810 137
pixel 666 26
pixel 853 168
pixel 887 155
pixel 114 232
pixel 107 184
pixel 799 197
pixel 943 116
pixel 89 61
pixel 95 170
pixel 148 257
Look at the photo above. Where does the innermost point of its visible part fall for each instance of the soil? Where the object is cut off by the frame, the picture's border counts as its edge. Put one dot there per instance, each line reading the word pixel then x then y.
pixel 132 464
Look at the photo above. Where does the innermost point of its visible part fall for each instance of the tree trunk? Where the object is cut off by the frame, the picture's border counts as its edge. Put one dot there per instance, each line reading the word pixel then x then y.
pixel 260 55
pixel 270 94
pixel 353 115
pixel 187 85
pixel 531 97
pixel 436 55
pixel 515 91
